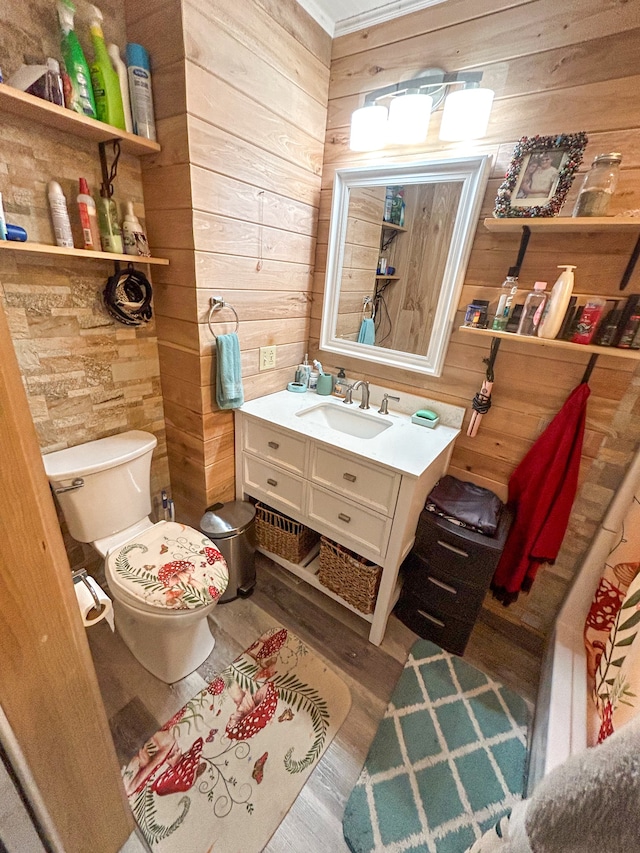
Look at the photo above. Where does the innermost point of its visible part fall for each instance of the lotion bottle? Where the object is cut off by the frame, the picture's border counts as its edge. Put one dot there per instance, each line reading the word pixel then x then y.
pixel 88 217
pixel 59 215
pixel 133 237
pixel 557 304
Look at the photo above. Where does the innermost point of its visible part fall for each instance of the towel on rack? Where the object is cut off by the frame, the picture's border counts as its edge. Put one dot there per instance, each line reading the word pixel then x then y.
pixel 367 333
pixel 229 392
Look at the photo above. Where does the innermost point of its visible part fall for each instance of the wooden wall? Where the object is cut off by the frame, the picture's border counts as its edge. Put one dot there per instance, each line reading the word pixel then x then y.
pixel 232 201
pixel 86 375
pixel 555 68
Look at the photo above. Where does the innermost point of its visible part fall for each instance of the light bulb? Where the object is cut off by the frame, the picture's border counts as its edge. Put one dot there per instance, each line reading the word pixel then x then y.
pixel 466 114
pixel 409 118
pixel 368 128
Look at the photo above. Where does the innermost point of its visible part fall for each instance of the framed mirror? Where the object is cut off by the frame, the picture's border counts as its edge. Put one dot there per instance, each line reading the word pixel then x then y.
pixel 399 242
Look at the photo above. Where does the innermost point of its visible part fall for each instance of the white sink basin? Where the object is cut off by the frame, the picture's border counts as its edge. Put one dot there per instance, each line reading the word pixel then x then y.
pixel 354 422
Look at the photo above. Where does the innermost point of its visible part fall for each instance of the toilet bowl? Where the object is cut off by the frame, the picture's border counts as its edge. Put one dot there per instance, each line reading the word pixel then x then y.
pixel 164 578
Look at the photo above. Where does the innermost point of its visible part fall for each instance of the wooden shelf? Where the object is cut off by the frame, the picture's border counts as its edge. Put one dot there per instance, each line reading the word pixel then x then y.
pixel 392 227
pixel 22 104
pixel 544 342
pixel 564 224
pixel 43 248
pixel 387 277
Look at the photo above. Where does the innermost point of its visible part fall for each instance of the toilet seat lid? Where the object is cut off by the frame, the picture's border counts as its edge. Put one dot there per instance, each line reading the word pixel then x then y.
pixel 169 567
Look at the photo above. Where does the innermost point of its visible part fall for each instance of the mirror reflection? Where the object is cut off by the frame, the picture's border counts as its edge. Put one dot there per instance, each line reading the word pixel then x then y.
pixel 399 242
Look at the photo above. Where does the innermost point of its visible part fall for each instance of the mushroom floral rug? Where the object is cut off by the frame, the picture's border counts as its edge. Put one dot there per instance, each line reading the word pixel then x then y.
pixel 223 772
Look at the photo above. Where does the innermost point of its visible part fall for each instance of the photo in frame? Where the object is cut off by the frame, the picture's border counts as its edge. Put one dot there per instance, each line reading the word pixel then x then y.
pixel 540 175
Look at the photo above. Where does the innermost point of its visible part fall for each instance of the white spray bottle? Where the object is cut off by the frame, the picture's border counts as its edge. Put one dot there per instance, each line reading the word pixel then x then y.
pixel 557 304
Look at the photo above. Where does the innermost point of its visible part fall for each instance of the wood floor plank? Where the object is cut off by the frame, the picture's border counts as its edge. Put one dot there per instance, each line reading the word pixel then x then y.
pixel 340 638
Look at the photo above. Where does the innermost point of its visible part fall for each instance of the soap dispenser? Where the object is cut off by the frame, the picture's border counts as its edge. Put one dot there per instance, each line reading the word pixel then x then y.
pixel 340 385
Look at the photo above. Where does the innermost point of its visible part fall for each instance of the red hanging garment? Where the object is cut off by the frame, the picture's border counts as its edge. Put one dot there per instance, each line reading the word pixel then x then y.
pixel 541 494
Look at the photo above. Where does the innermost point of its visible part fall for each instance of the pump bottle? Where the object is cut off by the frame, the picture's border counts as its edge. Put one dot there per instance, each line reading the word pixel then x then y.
pixel 106 86
pixel 557 304
pixel 121 70
pixel 133 237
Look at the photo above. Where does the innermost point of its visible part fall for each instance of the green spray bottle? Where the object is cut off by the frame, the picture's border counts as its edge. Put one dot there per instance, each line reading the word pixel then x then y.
pixel 81 98
pixel 106 84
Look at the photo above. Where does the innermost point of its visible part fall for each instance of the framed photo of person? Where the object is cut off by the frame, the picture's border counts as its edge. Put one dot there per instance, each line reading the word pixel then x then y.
pixel 540 174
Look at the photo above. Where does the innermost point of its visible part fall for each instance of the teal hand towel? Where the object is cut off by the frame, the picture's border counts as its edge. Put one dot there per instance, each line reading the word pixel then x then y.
pixel 367 333
pixel 229 392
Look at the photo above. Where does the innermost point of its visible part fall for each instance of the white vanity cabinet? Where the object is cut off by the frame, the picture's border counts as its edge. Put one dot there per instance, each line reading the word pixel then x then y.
pixel 365 495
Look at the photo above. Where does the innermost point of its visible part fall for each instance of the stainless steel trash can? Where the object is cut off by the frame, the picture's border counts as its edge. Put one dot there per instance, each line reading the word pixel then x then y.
pixel 231 526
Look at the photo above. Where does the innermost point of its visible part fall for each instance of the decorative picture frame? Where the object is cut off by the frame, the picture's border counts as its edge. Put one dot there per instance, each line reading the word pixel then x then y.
pixel 540 174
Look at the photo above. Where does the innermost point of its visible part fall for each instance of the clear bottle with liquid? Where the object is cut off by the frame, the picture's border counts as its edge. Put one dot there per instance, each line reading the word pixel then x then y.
pixel 508 293
pixel 598 186
pixel 533 308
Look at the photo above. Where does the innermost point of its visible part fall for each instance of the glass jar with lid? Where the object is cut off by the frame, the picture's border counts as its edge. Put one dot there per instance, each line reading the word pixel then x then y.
pixel 598 186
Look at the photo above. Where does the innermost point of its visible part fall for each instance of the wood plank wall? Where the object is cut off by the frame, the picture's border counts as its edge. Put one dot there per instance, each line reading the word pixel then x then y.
pixel 555 68
pixel 232 201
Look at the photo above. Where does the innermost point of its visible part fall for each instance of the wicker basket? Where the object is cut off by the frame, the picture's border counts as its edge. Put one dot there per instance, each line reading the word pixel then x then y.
pixel 348 575
pixel 281 535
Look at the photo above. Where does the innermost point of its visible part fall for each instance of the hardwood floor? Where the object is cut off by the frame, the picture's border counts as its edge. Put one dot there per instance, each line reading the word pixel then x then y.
pixel 138 704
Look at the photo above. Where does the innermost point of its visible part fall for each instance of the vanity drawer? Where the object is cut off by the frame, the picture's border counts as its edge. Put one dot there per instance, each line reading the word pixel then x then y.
pixel 436 589
pixel 351 524
pixel 366 483
pixel 283 490
pixel 284 448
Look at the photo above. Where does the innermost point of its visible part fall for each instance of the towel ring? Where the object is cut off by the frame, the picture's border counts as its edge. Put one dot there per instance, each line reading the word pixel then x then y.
pixel 368 300
pixel 216 303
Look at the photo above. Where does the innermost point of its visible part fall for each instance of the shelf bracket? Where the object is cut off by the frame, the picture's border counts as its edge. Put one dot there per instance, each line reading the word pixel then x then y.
pixel 589 368
pixel 108 174
pixel 524 242
pixel 624 281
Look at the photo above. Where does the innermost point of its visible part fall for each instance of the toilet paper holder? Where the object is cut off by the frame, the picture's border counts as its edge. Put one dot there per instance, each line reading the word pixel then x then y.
pixel 80 576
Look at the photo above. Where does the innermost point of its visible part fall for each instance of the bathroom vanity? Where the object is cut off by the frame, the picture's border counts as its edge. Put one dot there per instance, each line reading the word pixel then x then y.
pixel 358 477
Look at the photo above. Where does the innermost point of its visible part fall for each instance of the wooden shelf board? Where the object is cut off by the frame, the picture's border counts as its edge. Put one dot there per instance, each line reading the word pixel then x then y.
pixel 564 224
pixel 392 226
pixel 42 248
pixel 388 277
pixel 308 572
pixel 22 104
pixel 544 342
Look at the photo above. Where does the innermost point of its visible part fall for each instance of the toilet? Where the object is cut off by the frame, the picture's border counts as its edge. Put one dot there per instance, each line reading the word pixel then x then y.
pixel 164 578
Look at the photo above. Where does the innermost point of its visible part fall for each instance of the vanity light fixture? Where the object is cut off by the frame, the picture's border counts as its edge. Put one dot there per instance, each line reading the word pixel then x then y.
pixel 411 102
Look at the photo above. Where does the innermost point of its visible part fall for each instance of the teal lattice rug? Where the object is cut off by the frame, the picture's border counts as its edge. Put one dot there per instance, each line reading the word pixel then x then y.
pixel 447 760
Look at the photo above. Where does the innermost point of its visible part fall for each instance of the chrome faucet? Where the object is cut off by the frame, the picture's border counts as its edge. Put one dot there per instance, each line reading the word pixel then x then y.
pixel 361 383
pixel 384 405
pixel 348 394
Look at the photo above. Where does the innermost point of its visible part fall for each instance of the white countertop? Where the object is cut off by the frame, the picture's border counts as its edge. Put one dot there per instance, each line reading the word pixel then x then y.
pixel 405 447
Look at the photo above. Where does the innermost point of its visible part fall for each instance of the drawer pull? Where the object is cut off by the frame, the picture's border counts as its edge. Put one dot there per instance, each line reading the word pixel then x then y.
pixel 344 517
pixel 431 618
pixel 350 477
pixel 442 585
pixel 452 548
pixel 271 482
pixel 274 445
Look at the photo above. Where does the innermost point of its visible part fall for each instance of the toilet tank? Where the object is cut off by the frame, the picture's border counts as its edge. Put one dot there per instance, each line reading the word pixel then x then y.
pixel 115 490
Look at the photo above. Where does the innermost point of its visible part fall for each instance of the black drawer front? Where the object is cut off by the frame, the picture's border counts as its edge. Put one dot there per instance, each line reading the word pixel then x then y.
pixel 451 556
pixel 435 588
pixel 446 631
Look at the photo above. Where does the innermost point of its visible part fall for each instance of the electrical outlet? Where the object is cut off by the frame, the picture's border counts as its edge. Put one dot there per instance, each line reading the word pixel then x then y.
pixel 267 358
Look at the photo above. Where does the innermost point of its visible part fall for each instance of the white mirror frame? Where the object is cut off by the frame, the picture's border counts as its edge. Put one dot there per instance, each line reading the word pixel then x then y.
pixel 473 172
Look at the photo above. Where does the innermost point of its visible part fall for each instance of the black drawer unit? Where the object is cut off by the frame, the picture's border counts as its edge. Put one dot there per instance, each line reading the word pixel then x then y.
pixel 446 577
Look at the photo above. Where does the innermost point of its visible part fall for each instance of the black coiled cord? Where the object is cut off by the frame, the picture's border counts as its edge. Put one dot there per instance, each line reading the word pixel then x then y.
pixel 127 297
